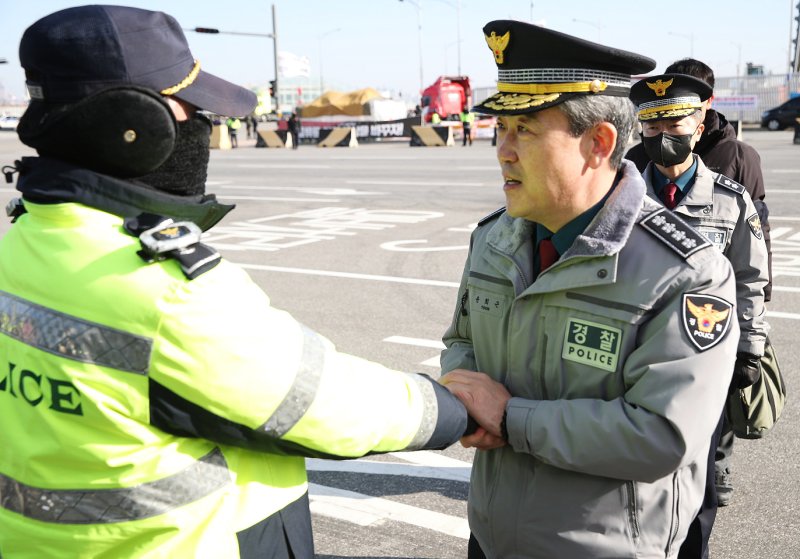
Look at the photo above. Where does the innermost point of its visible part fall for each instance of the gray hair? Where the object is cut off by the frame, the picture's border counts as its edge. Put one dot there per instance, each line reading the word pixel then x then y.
pixel 585 111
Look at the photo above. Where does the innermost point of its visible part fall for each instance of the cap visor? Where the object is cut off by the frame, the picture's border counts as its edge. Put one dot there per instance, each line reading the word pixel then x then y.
pixel 662 115
pixel 519 103
pixel 210 93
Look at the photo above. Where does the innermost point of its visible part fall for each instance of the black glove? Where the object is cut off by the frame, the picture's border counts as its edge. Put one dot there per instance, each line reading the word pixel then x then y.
pixel 746 371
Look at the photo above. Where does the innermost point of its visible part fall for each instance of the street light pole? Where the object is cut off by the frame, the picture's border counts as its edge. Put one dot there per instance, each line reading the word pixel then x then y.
pixel 273 36
pixel 319 40
pixel 593 24
pixel 689 36
pixel 275 57
pixel 417 4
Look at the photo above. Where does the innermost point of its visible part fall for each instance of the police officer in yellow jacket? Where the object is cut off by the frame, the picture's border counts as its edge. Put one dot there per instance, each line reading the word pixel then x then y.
pixel 153 403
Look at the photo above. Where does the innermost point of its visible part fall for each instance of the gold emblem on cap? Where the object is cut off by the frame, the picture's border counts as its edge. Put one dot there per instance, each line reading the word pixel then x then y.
pixel 498 45
pixel 185 82
pixel 129 136
pixel 596 86
pixel 518 102
pixel 660 87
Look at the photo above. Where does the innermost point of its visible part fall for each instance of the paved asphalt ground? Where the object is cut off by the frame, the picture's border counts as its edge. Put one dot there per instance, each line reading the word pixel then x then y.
pixel 366 246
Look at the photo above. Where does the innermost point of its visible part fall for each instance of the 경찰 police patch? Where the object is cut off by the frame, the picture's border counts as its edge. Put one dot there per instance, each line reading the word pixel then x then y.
pixel 592 344
pixel 755 225
pixel 706 319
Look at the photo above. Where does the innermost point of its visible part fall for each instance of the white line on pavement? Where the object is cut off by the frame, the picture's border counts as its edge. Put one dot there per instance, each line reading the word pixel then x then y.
pixel 275 198
pixel 450 473
pixel 365 510
pixel 413 183
pixel 783 218
pixel 309 272
pixel 777 314
pixel 420 342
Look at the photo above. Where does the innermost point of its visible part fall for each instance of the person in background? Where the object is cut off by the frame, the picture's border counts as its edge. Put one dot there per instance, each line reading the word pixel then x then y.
pixel 435 118
pixel 293 125
pixel 670 112
pixel 602 322
pixel 153 402
pixel 723 153
pixel 467 118
pixel 233 124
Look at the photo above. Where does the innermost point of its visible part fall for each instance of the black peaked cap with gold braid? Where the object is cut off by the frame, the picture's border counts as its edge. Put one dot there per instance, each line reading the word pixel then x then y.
pixel 539 68
pixel 669 96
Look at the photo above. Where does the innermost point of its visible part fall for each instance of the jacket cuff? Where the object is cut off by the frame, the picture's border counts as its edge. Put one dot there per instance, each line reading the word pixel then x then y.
pixel 451 419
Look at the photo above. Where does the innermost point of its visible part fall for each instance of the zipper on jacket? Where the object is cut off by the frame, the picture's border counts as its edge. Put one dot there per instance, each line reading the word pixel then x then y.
pixel 633 516
pixel 462 312
pixel 543 358
pixel 676 502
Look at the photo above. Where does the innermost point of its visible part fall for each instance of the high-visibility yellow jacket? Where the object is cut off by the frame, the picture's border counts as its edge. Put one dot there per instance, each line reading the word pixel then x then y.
pixel 148 415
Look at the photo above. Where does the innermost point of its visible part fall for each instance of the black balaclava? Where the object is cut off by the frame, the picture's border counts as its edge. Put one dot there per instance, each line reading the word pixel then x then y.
pixel 185 170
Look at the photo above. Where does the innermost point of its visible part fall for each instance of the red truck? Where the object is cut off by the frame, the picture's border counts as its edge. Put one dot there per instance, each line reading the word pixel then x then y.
pixel 446 96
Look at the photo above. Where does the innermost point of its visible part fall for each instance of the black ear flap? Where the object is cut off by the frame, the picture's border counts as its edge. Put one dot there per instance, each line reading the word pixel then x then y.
pixel 122 131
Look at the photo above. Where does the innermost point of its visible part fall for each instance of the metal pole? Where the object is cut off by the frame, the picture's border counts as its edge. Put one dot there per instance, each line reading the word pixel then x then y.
pixel 419 27
pixel 275 55
pixel 458 33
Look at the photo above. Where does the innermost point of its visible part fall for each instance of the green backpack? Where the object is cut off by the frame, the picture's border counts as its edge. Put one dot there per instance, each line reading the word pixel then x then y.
pixel 752 411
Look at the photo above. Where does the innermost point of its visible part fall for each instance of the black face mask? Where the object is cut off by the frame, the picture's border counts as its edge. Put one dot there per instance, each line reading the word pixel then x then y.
pixel 668 149
pixel 184 172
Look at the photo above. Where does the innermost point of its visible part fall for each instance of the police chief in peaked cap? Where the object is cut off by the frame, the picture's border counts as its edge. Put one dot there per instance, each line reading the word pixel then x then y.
pixel 669 96
pixel 539 68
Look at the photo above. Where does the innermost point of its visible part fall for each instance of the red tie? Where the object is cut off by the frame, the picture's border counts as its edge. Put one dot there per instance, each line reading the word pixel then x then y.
pixel 547 254
pixel 668 195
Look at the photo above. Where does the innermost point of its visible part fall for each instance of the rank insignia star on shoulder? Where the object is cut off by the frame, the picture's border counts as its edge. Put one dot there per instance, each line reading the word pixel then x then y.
pixel 706 319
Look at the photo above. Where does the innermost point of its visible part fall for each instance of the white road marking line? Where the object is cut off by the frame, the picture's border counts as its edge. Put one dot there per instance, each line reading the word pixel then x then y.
pixel 413 183
pixel 328 273
pixel 419 342
pixel 778 191
pixel 783 171
pixel 778 232
pixel 777 314
pixel 402 246
pixel 460 472
pixel 434 362
pixel 782 218
pixel 331 191
pixel 365 510
pixel 274 198
pixel 429 458
pixel 787 289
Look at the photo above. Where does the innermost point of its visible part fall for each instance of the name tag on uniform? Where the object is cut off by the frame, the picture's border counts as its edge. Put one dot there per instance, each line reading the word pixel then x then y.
pixel 717 237
pixel 592 344
pixel 488 302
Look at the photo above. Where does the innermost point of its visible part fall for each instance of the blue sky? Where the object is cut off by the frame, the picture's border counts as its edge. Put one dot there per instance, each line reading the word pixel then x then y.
pixel 374 43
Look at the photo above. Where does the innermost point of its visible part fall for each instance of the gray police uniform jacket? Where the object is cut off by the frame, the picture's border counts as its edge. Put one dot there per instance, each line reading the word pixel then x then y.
pixel 616 383
pixel 720 209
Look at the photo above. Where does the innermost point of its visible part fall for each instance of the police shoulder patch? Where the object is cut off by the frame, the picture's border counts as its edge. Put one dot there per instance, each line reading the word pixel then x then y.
pixel 491 216
pixel 754 221
pixel 730 184
pixel 674 232
pixel 706 319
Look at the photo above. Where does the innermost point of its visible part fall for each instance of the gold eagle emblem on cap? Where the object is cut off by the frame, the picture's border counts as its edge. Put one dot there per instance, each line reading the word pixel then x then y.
pixel 498 45
pixel 707 316
pixel 660 87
